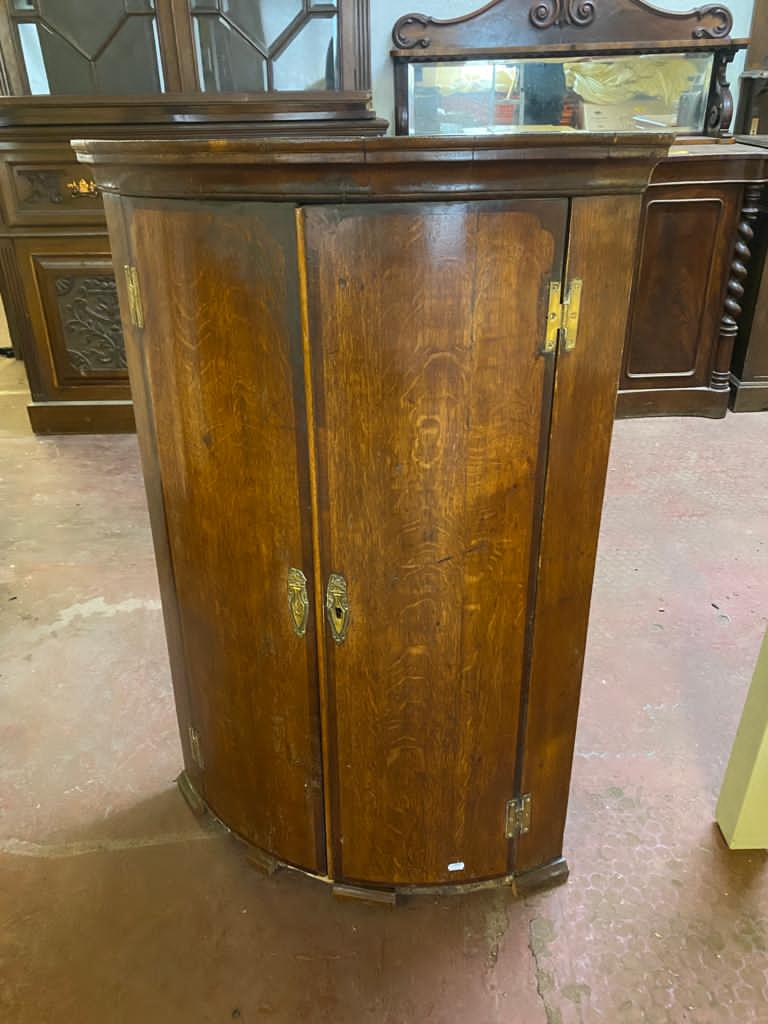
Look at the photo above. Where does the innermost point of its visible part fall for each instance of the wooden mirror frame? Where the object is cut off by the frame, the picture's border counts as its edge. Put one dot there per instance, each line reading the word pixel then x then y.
pixel 550 28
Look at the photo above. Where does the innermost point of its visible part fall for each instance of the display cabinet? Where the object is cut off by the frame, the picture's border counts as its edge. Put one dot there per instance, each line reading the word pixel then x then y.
pixel 620 66
pixel 131 69
pixel 55 270
pixel 374 424
pixel 142 47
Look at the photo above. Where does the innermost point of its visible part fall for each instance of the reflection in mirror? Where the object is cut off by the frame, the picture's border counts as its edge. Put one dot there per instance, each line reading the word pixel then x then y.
pixel 626 93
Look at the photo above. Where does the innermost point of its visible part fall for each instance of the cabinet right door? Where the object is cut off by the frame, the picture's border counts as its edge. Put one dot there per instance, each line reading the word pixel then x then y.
pixel 433 401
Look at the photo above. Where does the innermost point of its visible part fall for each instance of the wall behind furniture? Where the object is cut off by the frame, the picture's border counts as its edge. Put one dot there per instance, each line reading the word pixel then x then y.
pixel 384 13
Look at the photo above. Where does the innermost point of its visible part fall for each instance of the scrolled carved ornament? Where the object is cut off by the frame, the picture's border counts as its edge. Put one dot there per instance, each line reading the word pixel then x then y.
pixel 712 21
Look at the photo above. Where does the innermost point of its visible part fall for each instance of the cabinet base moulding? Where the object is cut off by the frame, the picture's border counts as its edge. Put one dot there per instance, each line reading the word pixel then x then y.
pixel 547 876
pixel 672 402
pixel 748 396
pixel 81 417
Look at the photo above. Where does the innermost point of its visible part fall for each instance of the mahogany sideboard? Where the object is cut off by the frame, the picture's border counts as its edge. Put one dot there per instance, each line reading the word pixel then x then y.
pixel 749 372
pixel 374 384
pixel 692 264
pixel 56 274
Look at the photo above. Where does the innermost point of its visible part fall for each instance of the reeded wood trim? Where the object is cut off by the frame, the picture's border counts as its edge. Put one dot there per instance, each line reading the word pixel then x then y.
pixel 169 53
pixel 355 36
pixel 19 327
pixel 14 78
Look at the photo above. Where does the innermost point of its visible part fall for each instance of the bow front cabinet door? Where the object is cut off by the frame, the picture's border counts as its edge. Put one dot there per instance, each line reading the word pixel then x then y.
pixel 374 408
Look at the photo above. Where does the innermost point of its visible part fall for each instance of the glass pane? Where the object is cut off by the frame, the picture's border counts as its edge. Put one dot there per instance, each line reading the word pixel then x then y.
pixel 261 20
pixel 644 92
pixel 310 61
pixel 24 5
pixel 86 26
pixel 53 66
pixel 225 61
pixel 131 63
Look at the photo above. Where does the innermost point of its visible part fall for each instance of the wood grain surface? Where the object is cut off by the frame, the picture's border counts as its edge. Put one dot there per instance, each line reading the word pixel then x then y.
pixel 223 353
pixel 601 241
pixel 426 324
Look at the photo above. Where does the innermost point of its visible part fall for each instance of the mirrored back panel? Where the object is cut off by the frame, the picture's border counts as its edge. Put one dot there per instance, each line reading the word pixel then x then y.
pixel 622 93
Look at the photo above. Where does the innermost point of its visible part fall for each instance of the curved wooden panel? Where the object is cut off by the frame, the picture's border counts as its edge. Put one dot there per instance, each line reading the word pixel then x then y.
pixel 223 353
pixel 427 324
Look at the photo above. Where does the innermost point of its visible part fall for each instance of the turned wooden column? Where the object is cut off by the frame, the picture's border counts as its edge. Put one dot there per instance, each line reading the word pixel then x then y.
pixel 729 326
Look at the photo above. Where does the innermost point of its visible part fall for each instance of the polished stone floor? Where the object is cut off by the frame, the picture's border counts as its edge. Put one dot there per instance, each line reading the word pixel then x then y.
pixel 118 907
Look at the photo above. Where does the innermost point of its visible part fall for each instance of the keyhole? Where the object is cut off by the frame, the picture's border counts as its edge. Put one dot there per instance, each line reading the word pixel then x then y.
pixel 339 612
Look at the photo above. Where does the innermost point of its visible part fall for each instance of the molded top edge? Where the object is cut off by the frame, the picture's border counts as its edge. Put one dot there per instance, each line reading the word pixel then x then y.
pixel 392 149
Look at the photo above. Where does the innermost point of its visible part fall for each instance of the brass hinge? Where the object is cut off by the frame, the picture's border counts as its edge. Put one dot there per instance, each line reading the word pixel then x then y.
pixel 135 307
pixel 562 316
pixel 518 818
pixel 194 746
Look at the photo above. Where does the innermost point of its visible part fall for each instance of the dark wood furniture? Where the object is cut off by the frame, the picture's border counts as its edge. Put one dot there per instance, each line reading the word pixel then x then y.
pixel 692 262
pixel 138 68
pixel 374 386
pixel 749 370
pixel 56 274
pixel 697 213
pixel 122 48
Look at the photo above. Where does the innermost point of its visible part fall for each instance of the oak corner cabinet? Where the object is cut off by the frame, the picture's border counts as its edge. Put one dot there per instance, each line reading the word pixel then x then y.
pixel 374 384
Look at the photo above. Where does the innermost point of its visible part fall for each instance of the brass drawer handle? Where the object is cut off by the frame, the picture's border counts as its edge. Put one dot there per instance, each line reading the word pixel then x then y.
pixel 80 187
pixel 337 607
pixel 298 602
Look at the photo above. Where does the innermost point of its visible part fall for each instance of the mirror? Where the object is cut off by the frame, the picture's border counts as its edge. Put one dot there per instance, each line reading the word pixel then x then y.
pixel 625 93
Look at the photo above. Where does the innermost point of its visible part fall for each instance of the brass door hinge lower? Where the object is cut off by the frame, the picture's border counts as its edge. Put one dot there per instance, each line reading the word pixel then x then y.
pixel 563 316
pixel 194 746
pixel 518 817
pixel 135 307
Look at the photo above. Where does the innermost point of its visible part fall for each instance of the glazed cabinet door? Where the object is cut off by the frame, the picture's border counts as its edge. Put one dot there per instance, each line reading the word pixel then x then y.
pixel 432 415
pixel 218 373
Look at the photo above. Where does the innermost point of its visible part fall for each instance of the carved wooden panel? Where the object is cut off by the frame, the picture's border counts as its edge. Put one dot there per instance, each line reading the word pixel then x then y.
pixel 90 321
pixel 511 23
pixel 79 301
pixel 46 193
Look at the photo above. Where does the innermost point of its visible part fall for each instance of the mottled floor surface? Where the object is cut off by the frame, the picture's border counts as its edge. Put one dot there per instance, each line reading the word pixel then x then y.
pixel 118 907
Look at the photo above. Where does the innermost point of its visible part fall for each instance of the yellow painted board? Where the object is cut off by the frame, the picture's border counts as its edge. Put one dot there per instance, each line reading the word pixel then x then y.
pixel 742 810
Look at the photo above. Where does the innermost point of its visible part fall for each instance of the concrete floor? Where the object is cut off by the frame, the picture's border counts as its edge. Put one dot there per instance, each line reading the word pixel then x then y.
pixel 118 907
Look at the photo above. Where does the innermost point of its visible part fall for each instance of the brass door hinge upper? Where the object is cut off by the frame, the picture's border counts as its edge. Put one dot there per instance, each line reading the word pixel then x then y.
pixel 563 315
pixel 518 817
pixel 135 307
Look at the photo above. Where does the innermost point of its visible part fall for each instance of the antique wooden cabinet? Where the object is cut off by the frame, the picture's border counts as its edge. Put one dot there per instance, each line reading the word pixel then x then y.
pixel 749 371
pixel 374 386
pixel 622 65
pixel 56 274
pixel 133 69
pixel 692 264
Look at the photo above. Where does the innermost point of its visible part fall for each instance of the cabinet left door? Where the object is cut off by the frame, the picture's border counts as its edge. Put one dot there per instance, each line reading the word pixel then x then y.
pixel 218 380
